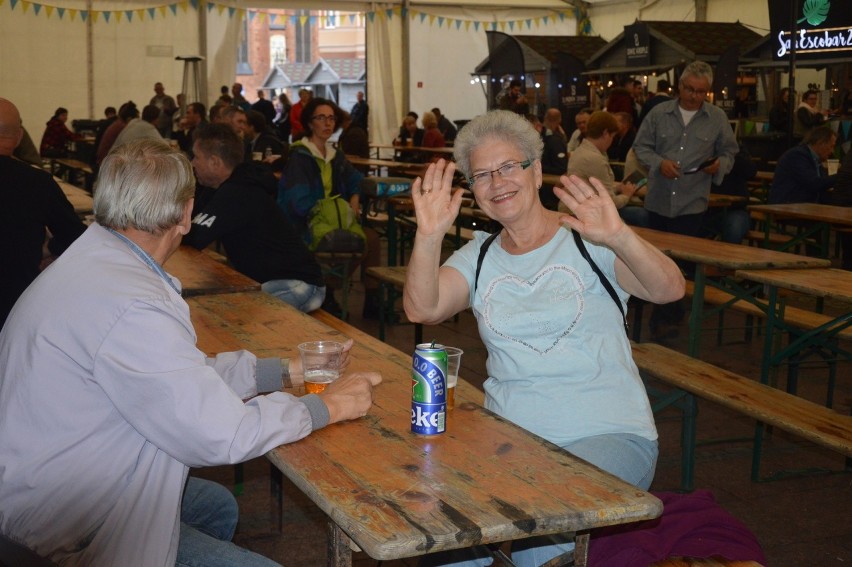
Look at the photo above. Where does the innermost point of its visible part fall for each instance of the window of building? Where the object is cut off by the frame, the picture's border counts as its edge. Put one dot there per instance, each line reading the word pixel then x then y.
pixel 243 66
pixel 278 49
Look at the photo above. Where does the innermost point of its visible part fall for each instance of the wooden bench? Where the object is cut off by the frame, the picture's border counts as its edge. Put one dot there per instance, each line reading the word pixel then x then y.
pixel 692 377
pixel 391 278
pixel 339 266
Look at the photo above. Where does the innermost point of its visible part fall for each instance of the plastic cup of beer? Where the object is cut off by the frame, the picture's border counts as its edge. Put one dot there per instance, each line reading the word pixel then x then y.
pixel 832 165
pixel 453 364
pixel 320 363
pixel 257 156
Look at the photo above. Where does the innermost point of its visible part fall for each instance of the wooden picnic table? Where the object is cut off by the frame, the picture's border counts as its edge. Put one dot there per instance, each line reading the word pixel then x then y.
pixel 396 494
pixel 811 219
pixel 205 272
pixel 724 259
pixel 820 283
pixel 79 198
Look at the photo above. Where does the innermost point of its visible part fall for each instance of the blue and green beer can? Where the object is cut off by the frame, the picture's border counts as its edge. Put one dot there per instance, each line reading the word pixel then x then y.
pixel 429 389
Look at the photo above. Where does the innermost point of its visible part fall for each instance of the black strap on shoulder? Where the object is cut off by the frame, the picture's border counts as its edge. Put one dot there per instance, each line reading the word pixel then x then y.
pixel 603 278
pixel 585 253
pixel 482 250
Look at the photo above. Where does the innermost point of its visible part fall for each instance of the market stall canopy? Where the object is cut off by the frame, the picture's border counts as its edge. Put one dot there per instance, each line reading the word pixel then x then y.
pixel 542 51
pixel 672 44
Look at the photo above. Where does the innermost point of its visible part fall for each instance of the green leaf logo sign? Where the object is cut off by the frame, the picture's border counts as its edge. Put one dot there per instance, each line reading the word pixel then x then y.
pixel 815 11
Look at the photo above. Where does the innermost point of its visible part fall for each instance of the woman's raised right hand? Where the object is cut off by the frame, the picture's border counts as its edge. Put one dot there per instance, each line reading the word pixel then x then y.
pixel 435 205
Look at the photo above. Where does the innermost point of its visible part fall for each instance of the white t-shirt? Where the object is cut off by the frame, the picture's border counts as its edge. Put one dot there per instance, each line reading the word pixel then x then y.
pixel 559 361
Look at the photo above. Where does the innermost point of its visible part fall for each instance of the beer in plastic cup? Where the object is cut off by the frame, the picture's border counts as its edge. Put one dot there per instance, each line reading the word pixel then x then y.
pixel 832 165
pixel 453 365
pixel 320 363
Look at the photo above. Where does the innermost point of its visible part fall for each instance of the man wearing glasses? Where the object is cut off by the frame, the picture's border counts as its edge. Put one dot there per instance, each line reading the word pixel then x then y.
pixel 687 144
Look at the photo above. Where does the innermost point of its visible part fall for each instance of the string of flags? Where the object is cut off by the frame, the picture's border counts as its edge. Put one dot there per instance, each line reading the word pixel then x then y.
pixel 322 19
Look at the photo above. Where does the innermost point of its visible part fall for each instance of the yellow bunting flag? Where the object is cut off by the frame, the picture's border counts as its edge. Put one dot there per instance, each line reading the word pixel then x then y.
pixel 303 20
pixel 25 6
pixel 48 10
pixel 140 13
pixel 162 10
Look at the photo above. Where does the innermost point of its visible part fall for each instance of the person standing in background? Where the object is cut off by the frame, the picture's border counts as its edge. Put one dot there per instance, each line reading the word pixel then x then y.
pixel 167 107
pixel 687 145
pixel 361 112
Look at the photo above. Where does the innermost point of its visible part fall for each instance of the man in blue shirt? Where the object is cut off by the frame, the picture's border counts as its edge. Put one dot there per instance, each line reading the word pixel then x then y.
pixel 799 175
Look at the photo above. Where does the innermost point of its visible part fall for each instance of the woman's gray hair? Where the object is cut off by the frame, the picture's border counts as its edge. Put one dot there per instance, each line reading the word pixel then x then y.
pixel 496 125
pixel 143 185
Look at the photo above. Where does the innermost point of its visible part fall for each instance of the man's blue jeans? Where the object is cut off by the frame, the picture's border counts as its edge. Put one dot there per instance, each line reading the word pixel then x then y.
pixel 208 518
pixel 303 296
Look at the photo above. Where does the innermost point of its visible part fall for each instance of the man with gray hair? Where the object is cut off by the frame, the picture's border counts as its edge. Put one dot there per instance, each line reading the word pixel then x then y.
pixel 687 144
pixel 105 401
pixel 141 128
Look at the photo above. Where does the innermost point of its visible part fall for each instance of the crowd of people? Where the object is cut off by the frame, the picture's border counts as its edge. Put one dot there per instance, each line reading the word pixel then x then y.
pixel 130 389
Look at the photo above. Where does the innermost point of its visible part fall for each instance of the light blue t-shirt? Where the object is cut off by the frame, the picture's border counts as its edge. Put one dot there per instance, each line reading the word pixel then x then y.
pixel 559 361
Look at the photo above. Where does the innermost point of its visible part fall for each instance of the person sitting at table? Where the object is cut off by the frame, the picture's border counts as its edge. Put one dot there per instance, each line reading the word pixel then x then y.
pixel 779 114
pixel 54 142
pixel 32 201
pixel 144 127
pixel 263 140
pixel 103 415
pixel 126 112
pixel 432 137
pixel 732 223
pixel 841 195
pixel 259 240
pixel 447 128
pixel 807 114
pixel 559 360
pixel 554 156
pixel 624 138
pixel 590 160
pixel 409 135
pixel 353 139
pixel 799 176
pixel 581 120
pixel 195 115
pixel 315 170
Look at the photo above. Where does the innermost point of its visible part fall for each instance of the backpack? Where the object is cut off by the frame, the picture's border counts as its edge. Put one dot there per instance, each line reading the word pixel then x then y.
pixel 334 228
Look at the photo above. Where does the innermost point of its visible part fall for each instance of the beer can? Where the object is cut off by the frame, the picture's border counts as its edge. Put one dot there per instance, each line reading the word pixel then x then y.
pixel 429 389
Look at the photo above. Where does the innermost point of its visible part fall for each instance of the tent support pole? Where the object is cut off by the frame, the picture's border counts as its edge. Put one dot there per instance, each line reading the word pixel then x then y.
pixel 90 64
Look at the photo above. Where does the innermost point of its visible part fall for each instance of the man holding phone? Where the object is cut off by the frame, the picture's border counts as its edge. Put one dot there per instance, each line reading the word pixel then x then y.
pixel 687 144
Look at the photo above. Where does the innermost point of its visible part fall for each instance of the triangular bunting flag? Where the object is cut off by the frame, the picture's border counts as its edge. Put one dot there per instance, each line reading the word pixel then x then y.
pixel 546 19
pixel 389 14
pixel 48 10
pixel 303 20
pixel 140 14
pixel 264 15
pixel 36 8
pixel 106 16
pixel 431 19
pixel 25 6
pixel 312 20
pixel 129 14
pixel 467 25
pixel 1 2
pixel 503 26
pixel 117 17
pixel 60 11
pixel 512 26
pixel 561 16
pixel 529 23
pixel 403 12
pixel 13 3
pixel 422 17
pixel 846 124
pixel 210 7
pixel 241 14
pixel 220 8
pixel 93 16
pixel 458 24
pixel 371 16
pixel 351 19
pixel 173 8
pixel 164 8
pixel 252 15
pixel 151 12
pixel 73 13
pixel 184 6
pixel 440 21
pixel 231 11
pixel 194 4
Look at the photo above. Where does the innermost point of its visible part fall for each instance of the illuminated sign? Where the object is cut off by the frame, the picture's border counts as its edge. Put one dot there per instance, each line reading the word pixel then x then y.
pixel 823 28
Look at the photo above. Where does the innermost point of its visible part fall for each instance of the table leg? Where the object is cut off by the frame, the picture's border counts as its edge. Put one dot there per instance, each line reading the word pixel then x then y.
pixel 339 550
pixel 696 315
pixel 391 234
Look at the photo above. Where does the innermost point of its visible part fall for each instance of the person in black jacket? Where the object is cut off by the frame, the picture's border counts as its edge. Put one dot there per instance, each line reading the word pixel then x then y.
pixel 235 208
pixel 31 201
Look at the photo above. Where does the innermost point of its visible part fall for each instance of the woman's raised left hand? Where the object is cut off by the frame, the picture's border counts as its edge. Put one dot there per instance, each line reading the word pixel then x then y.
pixel 595 215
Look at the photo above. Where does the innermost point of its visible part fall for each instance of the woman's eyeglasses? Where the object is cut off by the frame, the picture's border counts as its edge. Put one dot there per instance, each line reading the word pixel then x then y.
pixel 483 178
pixel 325 118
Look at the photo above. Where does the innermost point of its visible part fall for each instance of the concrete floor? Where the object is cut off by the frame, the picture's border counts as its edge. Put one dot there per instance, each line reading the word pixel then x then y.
pixel 800 521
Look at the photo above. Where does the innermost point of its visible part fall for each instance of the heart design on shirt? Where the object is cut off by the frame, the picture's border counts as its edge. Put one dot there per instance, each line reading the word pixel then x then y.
pixel 535 313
